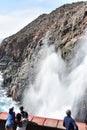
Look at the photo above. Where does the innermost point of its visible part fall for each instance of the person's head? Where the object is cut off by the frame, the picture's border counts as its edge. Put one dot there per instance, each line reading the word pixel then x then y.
pixel 21 108
pixel 11 109
pixel 18 116
pixel 68 112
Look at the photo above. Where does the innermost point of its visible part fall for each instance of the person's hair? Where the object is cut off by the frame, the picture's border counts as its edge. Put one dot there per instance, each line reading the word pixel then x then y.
pixel 21 108
pixel 18 116
pixel 68 112
pixel 11 110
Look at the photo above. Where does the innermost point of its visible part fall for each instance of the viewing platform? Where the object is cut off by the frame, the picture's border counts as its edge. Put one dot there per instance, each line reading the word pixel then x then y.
pixel 40 123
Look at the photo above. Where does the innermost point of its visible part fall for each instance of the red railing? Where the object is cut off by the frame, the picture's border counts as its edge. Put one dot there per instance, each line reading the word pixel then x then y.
pixel 39 123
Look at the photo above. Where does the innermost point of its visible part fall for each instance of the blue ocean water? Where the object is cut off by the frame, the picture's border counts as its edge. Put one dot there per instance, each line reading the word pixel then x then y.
pixel 6 102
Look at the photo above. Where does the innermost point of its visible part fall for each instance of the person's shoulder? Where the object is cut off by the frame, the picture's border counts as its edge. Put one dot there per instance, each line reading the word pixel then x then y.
pixel 65 117
pixel 72 118
pixel 25 112
pixel 14 112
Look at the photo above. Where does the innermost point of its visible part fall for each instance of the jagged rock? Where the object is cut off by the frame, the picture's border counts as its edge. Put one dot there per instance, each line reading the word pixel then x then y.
pixel 20 53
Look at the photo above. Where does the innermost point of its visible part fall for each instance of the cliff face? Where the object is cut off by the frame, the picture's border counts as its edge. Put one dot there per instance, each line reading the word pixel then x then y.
pixel 20 53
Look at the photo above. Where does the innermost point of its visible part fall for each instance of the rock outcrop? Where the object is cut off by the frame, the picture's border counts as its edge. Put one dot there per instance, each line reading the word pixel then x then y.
pixel 20 52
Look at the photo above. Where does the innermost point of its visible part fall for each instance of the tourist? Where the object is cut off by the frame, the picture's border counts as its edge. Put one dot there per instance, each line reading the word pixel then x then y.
pixel 10 119
pixel 69 122
pixel 18 122
pixel 24 117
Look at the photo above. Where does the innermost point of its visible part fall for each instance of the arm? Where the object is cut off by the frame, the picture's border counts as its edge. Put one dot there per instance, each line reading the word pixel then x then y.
pixel 64 122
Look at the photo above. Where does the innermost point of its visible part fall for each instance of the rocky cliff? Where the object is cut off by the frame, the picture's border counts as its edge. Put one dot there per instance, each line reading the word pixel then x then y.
pixel 20 53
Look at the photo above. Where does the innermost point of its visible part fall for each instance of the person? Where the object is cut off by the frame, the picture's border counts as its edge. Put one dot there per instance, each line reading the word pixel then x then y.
pixel 10 119
pixel 69 122
pixel 24 117
pixel 18 122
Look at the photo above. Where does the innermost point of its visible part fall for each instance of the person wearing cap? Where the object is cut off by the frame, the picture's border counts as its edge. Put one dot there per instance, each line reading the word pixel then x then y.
pixel 69 122
pixel 10 119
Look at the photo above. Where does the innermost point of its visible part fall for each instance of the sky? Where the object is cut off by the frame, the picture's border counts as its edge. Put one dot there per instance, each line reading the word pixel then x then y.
pixel 16 14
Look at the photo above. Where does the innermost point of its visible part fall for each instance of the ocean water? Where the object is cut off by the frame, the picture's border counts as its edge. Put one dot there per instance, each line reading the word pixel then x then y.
pixel 6 102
